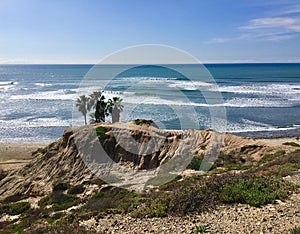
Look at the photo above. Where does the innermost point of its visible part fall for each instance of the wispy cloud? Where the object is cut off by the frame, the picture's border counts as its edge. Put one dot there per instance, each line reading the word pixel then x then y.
pixel 220 40
pixel 217 40
pixel 267 23
pixel 292 10
pixel 272 28
pixel 282 23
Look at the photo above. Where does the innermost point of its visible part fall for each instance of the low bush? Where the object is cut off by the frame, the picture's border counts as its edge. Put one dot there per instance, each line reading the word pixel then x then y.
pixel 255 191
pixel 62 227
pixel 112 199
pixel 156 208
pixel 200 229
pixel 77 189
pixel 224 159
pixel 270 157
pixel 15 198
pixel 64 201
pixel 162 179
pixel 14 208
pixel 18 208
pixel 45 201
pixel 60 186
pixel 199 193
pixel 295 230
pixel 144 122
pixel 98 181
pixel 100 131
pixel 237 167
pixel 292 144
pixel 195 164
pixel 59 201
pixel 281 164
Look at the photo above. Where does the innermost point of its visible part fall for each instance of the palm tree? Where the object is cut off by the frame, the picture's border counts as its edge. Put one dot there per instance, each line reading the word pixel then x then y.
pixel 81 104
pixel 100 111
pixel 114 108
pixel 92 118
pixel 93 99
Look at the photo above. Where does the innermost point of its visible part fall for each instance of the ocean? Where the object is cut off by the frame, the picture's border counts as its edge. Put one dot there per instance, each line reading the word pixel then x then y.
pixel 256 100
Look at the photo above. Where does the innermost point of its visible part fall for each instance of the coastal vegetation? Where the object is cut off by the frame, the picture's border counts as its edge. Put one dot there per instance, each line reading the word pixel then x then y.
pixel 100 108
pixel 292 144
pixel 256 186
pixel 295 230
pixel 180 197
pixel 235 178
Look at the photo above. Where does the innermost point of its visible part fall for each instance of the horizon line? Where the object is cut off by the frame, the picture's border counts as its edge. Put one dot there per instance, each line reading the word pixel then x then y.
pixel 204 63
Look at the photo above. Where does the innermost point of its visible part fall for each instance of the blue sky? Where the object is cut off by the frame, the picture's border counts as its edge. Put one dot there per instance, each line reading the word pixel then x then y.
pixel 84 31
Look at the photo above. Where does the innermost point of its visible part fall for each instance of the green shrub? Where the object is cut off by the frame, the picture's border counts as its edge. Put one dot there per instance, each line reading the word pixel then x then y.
pixel 15 208
pixel 144 122
pixel 138 122
pixel 15 198
pixel 237 167
pixel 270 157
pixel 216 171
pixel 63 227
pixel 200 229
pixel 18 208
pixel 224 159
pixel 292 144
pixel 98 181
pixel 285 169
pixel 156 208
pixel 60 186
pixel 63 201
pixel 45 201
pixel 100 131
pixel 197 163
pixel 286 164
pixel 17 228
pixel 200 164
pixel 295 230
pixel 59 201
pixel 77 189
pixel 112 199
pixel 255 191
pixel 161 179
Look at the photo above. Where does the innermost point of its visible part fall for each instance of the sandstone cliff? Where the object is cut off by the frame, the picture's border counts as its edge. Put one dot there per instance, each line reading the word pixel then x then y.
pixel 128 151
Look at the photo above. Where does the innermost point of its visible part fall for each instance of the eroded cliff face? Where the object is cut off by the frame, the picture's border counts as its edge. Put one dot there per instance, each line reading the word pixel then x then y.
pixel 137 148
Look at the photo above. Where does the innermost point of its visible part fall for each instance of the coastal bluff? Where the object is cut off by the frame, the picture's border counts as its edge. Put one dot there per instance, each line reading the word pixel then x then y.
pixel 61 160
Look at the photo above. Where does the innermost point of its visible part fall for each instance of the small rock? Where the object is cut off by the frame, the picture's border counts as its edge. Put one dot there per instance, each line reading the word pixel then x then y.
pixel 263 219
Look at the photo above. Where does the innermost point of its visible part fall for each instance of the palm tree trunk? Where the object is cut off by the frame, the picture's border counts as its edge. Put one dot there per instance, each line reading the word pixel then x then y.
pixel 115 116
pixel 85 120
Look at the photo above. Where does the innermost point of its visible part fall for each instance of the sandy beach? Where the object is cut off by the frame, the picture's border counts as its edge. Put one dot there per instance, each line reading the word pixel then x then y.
pixel 13 155
pixel 279 141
